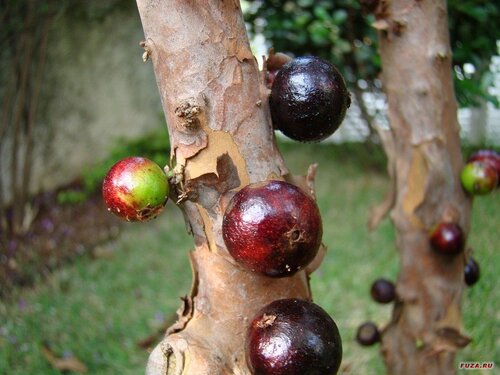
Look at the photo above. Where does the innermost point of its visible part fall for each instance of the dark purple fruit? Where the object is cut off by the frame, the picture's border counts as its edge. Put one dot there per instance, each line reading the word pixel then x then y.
pixel 447 239
pixel 479 177
pixel 308 99
pixel 293 337
pixel 471 272
pixel 383 291
pixel 489 156
pixel 135 189
pixel 273 228
pixel 367 334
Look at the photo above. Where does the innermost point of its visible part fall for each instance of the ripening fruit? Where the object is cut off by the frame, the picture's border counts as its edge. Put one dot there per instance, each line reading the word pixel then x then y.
pixel 273 228
pixel 383 291
pixel 367 334
pixel 489 156
pixel 308 99
pixel 293 337
pixel 447 239
pixel 135 189
pixel 479 177
pixel 471 272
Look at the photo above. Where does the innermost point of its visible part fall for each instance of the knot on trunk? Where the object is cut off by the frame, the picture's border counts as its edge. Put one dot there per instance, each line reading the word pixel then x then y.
pixel 188 112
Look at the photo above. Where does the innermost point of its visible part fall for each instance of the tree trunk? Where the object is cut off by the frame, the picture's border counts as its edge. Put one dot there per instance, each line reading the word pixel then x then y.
pixel 425 158
pixel 221 136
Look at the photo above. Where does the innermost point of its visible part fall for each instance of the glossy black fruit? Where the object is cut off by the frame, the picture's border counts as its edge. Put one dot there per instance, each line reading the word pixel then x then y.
pixel 367 334
pixel 471 272
pixel 293 337
pixel 308 99
pixel 383 291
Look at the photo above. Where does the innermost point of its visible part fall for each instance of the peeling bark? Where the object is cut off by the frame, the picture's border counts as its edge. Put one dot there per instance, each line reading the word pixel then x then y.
pixel 425 159
pixel 216 105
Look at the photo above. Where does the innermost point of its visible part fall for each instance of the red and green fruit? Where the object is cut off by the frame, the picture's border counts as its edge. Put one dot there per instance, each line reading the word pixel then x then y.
pixel 273 228
pixel 489 156
pixel 479 177
pixel 383 291
pixel 293 337
pixel 471 272
pixel 309 99
pixel 447 239
pixel 367 334
pixel 135 189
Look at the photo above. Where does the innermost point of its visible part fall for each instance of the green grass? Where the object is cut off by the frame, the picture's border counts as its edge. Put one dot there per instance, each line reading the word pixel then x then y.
pixel 98 309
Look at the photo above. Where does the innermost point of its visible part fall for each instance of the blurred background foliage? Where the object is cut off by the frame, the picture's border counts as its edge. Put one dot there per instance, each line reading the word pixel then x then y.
pixel 341 32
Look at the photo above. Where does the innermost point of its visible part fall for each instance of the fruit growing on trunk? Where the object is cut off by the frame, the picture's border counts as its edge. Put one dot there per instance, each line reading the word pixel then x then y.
pixel 308 99
pixel 479 177
pixel 447 239
pixel 135 189
pixel 292 337
pixel 383 291
pixel 273 228
pixel 367 334
pixel 489 156
pixel 471 272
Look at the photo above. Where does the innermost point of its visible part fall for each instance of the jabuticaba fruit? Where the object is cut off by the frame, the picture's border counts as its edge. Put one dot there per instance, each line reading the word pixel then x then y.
pixel 471 272
pixel 309 99
pixel 135 189
pixel 293 337
pixel 447 239
pixel 272 228
pixel 383 291
pixel 367 334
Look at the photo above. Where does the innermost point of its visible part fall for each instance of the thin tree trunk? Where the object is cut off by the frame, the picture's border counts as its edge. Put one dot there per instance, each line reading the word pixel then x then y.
pixel 425 330
pixel 31 118
pixel 221 140
pixel 18 116
pixel 5 115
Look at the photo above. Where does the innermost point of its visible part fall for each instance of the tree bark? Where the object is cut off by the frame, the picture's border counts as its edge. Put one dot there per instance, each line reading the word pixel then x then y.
pixel 216 106
pixel 425 160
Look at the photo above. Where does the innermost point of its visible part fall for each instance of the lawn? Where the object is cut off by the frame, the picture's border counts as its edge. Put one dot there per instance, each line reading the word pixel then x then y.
pixel 98 308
